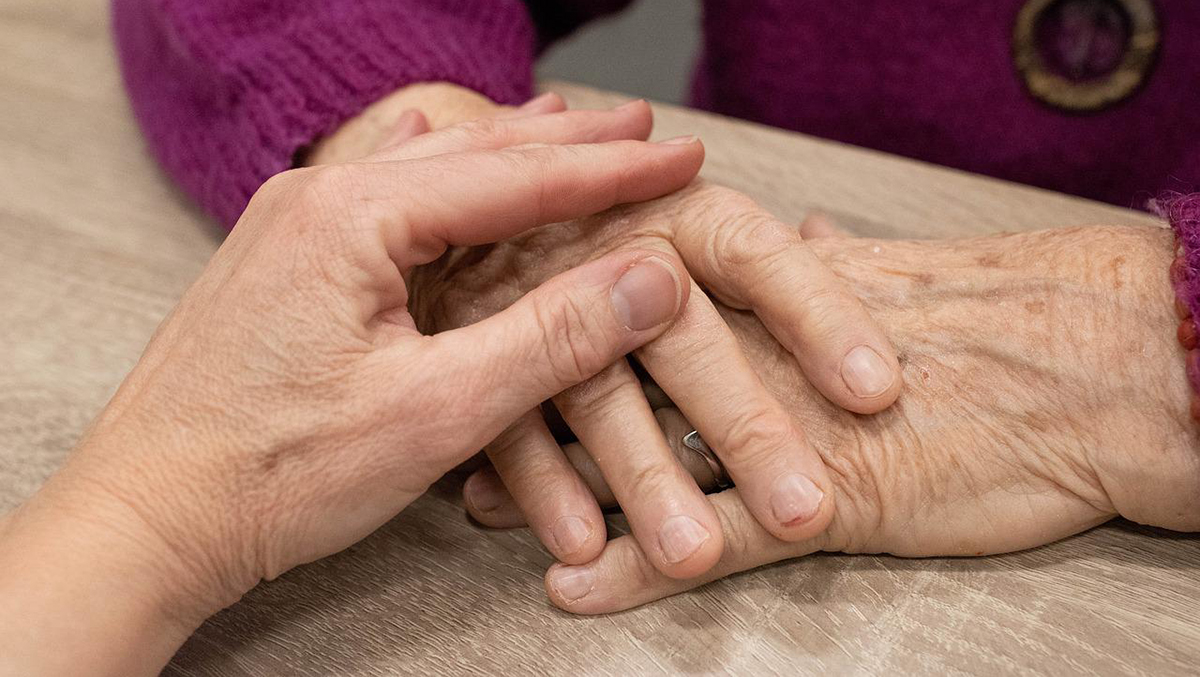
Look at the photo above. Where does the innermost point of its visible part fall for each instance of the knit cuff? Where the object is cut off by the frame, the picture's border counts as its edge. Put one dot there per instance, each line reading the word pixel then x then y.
pixel 1183 213
pixel 227 94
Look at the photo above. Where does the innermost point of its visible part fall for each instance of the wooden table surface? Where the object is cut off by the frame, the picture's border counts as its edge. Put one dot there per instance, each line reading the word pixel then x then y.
pixel 96 246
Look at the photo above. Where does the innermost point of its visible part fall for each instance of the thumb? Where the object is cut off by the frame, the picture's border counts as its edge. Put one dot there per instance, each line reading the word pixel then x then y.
pixel 562 333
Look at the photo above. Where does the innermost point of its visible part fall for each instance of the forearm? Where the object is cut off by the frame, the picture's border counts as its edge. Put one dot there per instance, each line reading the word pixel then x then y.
pixel 84 589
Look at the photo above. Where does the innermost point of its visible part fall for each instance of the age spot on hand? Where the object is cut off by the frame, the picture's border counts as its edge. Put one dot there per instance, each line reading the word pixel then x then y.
pixel 1117 265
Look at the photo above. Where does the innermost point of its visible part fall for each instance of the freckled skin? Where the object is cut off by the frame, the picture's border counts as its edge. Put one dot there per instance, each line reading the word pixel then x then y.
pixel 988 261
pixel 1035 424
pixel 1028 423
pixel 922 277
pixel 1116 265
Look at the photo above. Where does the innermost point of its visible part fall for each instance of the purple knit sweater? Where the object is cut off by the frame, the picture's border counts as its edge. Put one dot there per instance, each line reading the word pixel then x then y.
pixel 229 90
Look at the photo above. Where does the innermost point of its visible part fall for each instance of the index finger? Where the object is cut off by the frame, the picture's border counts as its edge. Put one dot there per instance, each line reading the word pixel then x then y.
pixel 751 260
pixel 700 364
pixel 623 576
pixel 485 196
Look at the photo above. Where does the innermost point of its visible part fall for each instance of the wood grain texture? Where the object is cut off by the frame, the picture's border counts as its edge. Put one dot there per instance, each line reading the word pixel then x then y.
pixel 95 247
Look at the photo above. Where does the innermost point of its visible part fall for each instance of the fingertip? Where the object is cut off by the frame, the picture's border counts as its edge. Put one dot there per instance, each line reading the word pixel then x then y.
pixel 488 502
pixel 543 104
pixel 569 587
pixel 554 102
pixel 811 526
pixel 586 590
pixel 798 504
pixel 641 111
pixel 696 152
pixel 411 123
pixel 418 121
pixel 620 578
pixel 636 104
pixel 650 292
pixel 700 561
pixel 689 147
pixel 872 379
pixel 576 539
pixel 570 538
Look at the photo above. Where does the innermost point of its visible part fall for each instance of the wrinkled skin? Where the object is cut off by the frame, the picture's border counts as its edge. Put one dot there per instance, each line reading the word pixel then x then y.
pixel 1043 380
pixel 1045 394
pixel 735 249
pixel 469 284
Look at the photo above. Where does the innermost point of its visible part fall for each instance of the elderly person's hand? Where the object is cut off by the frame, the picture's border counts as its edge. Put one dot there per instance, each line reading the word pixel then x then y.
pixel 289 405
pixel 739 253
pixel 1046 393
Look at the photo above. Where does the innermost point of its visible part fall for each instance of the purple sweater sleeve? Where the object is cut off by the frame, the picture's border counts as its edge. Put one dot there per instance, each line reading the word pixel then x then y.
pixel 228 91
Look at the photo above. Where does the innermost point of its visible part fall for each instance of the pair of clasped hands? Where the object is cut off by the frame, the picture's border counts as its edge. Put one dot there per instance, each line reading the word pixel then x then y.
pixel 294 402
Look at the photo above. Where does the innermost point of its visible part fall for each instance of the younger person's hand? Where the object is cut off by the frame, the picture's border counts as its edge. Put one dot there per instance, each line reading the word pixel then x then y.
pixel 289 405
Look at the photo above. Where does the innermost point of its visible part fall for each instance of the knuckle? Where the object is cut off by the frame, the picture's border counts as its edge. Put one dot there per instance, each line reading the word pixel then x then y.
pixel 509 443
pixel 755 434
pixel 652 479
pixel 320 182
pixel 283 182
pixel 534 166
pixel 823 295
pixel 748 243
pixel 576 348
pixel 274 204
pixel 603 396
pixel 483 131
pixel 317 198
pixel 714 198
pixel 823 306
pixel 859 512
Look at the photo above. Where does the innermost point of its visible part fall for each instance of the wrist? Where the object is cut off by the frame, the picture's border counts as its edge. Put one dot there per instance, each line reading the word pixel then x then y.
pixel 442 103
pixel 1084 317
pixel 1183 213
pixel 1153 478
pixel 82 573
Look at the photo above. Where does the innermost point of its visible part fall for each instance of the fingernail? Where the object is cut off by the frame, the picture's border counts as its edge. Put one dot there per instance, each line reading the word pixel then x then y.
pixel 572 583
pixel 646 295
pixel 1177 268
pixel 1181 308
pixel 1192 368
pixel 484 492
pixel 631 104
pixel 680 140
pixel 570 533
pixel 680 537
pixel 795 500
pixel 1187 334
pixel 866 373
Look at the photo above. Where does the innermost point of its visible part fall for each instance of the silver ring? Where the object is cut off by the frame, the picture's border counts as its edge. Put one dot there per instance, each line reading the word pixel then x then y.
pixel 696 443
